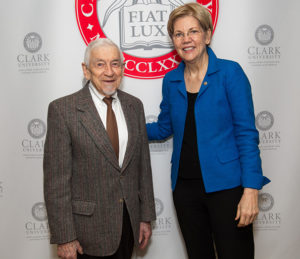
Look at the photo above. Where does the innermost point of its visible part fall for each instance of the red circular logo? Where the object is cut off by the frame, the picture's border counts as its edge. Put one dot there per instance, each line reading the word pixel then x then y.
pixel 139 27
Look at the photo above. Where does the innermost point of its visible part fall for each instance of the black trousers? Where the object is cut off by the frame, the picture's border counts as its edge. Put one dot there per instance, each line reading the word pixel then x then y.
pixel 126 244
pixel 208 219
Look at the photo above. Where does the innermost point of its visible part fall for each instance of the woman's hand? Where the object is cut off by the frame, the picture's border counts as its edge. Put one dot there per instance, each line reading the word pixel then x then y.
pixel 247 208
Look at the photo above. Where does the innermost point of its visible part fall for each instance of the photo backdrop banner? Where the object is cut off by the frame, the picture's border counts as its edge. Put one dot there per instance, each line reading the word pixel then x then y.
pixel 42 47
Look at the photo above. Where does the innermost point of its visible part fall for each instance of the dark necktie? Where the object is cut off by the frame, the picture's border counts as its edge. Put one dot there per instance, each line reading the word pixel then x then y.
pixel 111 125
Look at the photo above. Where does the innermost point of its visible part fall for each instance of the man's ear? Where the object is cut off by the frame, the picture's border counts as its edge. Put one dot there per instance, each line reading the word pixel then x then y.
pixel 86 71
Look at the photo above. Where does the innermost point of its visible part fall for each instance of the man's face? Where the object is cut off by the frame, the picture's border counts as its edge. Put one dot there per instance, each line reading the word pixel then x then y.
pixel 105 69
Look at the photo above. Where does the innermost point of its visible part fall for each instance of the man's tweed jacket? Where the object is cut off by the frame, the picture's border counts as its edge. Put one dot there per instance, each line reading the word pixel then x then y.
pixel 84 187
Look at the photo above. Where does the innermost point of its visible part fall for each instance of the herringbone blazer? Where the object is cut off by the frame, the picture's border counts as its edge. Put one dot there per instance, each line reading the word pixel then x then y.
pixel 84 187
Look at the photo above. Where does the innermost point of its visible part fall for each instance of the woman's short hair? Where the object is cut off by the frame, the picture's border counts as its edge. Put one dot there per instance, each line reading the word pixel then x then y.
pixel 99 43
pixel 196 10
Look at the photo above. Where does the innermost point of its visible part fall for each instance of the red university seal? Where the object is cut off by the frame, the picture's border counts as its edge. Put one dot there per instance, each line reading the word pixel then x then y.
pixel 139 27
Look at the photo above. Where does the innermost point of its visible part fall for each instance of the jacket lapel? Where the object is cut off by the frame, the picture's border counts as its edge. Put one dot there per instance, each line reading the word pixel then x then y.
pixel 132 127
pixel 211 69
pixel 91 121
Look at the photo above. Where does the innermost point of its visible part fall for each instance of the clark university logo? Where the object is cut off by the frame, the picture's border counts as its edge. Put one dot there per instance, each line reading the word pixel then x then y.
pixel 139 27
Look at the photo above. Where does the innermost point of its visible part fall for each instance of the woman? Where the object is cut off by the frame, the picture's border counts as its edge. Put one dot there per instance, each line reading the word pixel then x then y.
pixel 216 167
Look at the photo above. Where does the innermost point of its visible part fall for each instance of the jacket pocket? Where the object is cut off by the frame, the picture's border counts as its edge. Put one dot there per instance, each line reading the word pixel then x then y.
pixel 228 155
pixel 83 207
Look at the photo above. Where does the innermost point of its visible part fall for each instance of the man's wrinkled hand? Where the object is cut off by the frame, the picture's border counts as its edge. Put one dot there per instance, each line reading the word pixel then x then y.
pixel 145 234
pixel 69 250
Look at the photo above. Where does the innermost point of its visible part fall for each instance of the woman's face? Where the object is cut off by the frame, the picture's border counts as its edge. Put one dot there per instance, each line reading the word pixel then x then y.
pixel 189 39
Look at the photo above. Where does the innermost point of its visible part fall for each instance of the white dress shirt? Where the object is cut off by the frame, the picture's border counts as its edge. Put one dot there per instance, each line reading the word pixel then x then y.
pixel 120 118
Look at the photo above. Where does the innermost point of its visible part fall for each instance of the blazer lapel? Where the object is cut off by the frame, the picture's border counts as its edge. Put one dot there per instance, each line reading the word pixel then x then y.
pixel 91 121
pixel 211 69
pixel 132 127
pixel 204 86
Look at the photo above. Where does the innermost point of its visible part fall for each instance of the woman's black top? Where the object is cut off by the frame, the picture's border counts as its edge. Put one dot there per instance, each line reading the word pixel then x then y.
pixel 189 165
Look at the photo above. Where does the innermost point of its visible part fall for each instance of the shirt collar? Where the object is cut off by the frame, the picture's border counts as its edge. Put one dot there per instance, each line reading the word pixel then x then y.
pixel 99 95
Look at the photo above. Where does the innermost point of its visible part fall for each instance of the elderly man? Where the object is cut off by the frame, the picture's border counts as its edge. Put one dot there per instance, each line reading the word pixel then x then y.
pixel 97 174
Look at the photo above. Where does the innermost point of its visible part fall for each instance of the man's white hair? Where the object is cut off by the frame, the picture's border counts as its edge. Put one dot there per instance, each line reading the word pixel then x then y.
pixel 98 43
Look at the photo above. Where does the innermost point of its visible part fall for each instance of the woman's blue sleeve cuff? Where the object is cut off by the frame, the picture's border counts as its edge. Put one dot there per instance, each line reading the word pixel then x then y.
pixel 255 181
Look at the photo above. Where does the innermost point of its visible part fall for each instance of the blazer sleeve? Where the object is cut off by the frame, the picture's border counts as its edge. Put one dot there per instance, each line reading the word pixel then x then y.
pixel 57 167
pixel 246 134
pixel 146 195
pixel 161 129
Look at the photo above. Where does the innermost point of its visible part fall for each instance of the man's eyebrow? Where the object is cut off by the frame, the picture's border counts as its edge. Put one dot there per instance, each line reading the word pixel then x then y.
pixel 99 59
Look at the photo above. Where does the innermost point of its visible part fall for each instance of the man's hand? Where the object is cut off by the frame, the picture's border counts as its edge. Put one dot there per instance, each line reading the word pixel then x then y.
pixel 145 234
pixel 69 250
pixel 248 207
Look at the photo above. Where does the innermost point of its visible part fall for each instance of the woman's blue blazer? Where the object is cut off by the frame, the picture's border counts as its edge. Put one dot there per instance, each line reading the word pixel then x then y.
pixel 227 138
